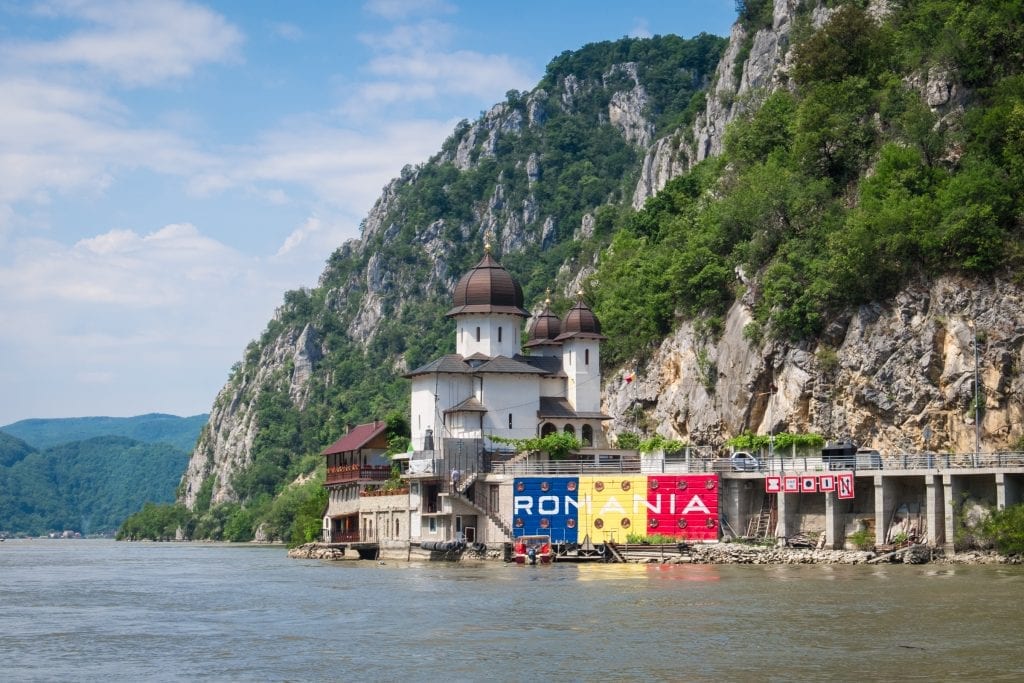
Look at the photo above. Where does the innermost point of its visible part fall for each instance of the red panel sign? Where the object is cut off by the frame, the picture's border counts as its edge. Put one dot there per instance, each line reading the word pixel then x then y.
pixel 844 485
pixel 791 484
pixel 827 482
pixel 772 484
pixel 809 484
pixel 683 506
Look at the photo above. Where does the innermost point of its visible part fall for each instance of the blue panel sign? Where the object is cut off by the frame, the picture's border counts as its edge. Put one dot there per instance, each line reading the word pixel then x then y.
pixel 546 506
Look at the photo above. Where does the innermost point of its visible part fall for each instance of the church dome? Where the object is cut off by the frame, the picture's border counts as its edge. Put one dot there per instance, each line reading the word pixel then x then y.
pixel 580 321
pixel 488 288
pixel 544 327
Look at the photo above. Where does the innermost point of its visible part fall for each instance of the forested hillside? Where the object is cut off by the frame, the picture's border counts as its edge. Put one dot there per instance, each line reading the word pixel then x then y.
pixel 180 432
pixel 841 187
pixel 869 145
pixel 88 486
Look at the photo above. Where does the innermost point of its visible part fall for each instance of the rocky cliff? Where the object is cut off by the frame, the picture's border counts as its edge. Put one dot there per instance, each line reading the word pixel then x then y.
pixel 548 173
pixel 880 375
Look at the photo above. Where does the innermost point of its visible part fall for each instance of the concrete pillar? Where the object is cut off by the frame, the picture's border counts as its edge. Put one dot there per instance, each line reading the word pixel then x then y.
pixel 1000 490
pixel 934 510
pixel 880 518
pixel 951 497
pixel 835 522
pixel 733 504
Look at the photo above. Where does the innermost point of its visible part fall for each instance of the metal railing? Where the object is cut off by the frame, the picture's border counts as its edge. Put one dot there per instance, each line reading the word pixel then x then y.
pixel 900 461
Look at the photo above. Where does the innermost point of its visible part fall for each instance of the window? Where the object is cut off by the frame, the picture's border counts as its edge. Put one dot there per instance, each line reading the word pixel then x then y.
pixel 478 334
pixel 499 334
pixel 586 356
pixel 569 429
pixel 510 420
pixel 432 525
pixel 588 435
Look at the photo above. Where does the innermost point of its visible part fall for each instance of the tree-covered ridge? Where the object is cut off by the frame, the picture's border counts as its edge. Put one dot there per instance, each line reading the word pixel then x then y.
pixel 841 188
pixel 12 449
pixel 584 165
pixel 180 432
pixel 88 486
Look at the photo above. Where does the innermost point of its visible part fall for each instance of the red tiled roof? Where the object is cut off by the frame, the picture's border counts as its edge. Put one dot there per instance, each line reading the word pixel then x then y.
pixel 357 437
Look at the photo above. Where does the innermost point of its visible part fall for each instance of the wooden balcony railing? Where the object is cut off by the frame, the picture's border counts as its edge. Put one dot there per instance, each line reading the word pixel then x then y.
pixel 346 473
pixel 344 537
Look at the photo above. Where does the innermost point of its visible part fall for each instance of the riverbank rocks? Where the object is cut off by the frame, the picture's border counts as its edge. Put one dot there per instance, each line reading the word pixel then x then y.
pixel 317 551
pixel 740 553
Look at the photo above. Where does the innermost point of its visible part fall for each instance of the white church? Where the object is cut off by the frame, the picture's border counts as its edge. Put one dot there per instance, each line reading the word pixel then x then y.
pixel 488 387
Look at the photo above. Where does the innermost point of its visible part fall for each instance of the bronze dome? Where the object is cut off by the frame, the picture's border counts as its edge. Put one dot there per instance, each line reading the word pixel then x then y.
pixel 580 321
pixel 544 327
pixel 488 288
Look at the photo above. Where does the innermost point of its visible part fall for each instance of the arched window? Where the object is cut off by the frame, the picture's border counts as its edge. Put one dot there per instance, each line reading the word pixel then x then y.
pixel 499 335
pixel 397 529
pixel 548 428
pixel 478 334
pixel 587 435
pixel 510 420
pixel 586 356
pixel 569 429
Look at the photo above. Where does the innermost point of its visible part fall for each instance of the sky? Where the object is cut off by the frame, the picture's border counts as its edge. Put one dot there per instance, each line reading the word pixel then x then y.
pixel 168 169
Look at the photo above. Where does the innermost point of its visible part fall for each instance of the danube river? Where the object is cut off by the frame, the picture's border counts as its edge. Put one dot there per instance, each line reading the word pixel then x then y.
pixel 104 611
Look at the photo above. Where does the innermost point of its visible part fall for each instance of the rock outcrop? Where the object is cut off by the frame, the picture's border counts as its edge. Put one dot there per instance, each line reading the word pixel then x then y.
pixel 879 376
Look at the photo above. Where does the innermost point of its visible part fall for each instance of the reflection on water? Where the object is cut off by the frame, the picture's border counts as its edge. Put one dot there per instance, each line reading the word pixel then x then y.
pixel 95 609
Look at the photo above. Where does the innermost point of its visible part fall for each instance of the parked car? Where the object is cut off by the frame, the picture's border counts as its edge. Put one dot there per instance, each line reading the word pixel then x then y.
pixel 744 462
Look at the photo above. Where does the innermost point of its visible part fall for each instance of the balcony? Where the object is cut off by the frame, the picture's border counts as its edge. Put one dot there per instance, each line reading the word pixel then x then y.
pixel 344 537
pixel 343 474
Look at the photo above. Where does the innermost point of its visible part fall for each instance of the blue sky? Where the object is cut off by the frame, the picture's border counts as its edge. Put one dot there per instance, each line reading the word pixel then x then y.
pixel 168 168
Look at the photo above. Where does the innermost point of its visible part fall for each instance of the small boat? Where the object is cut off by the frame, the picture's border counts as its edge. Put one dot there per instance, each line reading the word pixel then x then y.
pixel 533 550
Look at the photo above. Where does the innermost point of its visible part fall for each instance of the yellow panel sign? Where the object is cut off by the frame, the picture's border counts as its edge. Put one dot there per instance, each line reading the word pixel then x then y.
pixel 610 507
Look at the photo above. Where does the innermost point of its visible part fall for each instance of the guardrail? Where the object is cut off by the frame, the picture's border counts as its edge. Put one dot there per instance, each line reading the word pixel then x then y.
pixel 900 461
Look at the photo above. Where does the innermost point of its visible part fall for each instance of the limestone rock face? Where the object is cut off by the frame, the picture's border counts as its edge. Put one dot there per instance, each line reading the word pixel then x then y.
pixel 760 74
pixel 225 444
pixel 879 376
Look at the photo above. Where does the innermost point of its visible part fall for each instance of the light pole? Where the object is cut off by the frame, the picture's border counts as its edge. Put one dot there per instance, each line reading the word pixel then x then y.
pixel 977 406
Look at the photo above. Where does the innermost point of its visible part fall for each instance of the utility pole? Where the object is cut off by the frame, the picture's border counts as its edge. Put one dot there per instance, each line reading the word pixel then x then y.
pixel 977 405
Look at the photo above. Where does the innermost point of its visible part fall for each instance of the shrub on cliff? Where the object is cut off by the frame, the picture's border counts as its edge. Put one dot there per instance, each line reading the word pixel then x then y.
pixel 1005 529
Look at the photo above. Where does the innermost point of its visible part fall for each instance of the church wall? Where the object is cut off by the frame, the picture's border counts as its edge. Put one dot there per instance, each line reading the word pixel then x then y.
pixel 583 389
pixel 428 413
pixel 518 395
pixel 491 326
pixel 552 386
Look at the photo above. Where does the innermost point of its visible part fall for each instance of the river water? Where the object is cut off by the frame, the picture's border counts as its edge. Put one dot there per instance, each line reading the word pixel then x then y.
pixel 99 610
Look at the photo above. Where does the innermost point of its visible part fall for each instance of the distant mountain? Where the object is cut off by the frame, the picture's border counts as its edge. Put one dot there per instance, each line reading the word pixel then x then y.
pixel 12 449
pixel 42 433
pixel 89 486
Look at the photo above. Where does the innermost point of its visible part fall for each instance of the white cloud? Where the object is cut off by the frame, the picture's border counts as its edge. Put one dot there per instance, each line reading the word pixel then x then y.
pixel 63 138
pixel 140 43
pixel 414 62
pixel 154 318
pixel 316 236
pixel 395 10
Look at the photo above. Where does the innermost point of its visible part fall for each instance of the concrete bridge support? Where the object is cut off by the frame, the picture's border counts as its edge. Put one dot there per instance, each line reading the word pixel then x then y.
pixel 835 522
pixel 936 509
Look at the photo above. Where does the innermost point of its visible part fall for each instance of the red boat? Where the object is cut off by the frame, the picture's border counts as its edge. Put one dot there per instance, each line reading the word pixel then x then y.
pixel 533 550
